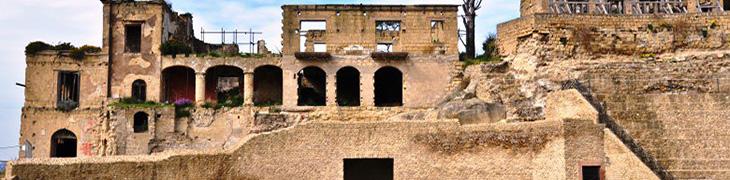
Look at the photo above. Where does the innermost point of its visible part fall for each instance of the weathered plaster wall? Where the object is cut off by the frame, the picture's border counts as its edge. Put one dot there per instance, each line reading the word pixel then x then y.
pixel 621 163
pixel 42 79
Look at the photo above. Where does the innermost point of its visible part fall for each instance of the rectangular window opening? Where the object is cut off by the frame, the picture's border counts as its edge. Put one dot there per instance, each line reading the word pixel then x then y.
pixel 591 173
pixel 385 47
pixel 437 25
pixel 381 26
pixel 132 38
pixel 68 90
pixel 309 32
pixel 726 5
pixel 320 47
pixel 356 169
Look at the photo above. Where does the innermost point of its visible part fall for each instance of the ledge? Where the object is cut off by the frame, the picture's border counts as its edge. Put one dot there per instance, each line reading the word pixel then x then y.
pixel 313 56
pixel 399 56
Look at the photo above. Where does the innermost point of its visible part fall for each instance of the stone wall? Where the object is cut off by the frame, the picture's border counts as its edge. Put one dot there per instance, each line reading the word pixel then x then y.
pixel 416 35
pixel 570 35
pixel 675 110
pixel 419 149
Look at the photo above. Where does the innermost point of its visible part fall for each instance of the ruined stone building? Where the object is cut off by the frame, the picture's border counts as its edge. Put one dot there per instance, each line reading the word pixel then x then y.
pixel 588 89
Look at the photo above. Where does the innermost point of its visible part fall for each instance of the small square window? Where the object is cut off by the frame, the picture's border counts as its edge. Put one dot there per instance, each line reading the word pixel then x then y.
pixel 387 26
pixel 368 169
pixel 437 25
pixel 591 173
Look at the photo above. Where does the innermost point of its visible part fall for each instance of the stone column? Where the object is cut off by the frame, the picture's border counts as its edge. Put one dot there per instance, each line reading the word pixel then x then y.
pixel 248 88
pixel 331 93
pixel 199 88
pixel 367 89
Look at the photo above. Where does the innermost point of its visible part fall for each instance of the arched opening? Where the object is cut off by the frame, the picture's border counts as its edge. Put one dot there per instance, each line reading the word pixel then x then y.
pixel 267 87
pixel 63 144
pixel 141 122
pixel 178 83
pixel 224 85
pixel 312 89
pixel 388 87
pixel 139 90
pixel 348 87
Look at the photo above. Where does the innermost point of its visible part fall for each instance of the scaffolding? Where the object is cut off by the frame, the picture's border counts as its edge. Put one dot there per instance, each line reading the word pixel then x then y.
pixel 235 34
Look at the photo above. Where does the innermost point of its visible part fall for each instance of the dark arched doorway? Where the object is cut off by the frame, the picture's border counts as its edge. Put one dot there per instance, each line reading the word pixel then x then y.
pixel 388 87
pixel 178 82
pixel 267 87
pixel 63 144
pixel 312 89
pixel 348 87
pixel 224 84
pixel 139 90
pixel 141 122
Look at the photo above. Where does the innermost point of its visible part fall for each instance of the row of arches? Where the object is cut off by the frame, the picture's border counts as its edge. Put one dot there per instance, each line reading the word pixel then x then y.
pixel 312 89
pixel 223 83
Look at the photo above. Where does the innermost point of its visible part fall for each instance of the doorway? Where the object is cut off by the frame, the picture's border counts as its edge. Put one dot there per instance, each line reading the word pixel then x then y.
pixel 368 169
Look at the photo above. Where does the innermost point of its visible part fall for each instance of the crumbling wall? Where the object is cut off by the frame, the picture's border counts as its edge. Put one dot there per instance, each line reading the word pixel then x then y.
pixel 359 21
pixel 582 36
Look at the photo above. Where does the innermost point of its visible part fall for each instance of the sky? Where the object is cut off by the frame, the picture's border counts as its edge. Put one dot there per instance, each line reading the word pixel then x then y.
pixel 80 22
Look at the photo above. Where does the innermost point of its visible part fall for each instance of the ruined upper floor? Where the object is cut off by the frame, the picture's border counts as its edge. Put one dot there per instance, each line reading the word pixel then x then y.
pixel 363 29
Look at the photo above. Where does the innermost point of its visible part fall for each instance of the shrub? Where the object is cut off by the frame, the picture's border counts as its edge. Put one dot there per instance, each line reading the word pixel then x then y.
pixel 182 107
pixel 64 47
pixel 80 53
pixel 37 46
pixel 174 48
pixel 134 103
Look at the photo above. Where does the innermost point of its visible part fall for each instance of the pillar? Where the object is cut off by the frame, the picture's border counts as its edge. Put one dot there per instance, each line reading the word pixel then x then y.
pixel 331 86
pixel 248 88
pixel 367 89
pixel 199 88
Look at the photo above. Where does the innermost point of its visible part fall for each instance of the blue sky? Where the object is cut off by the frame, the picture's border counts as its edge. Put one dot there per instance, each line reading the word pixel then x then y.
pixel 80 22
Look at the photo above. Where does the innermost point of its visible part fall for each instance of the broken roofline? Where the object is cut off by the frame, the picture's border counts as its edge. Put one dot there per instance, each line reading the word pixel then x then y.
pixel 377 7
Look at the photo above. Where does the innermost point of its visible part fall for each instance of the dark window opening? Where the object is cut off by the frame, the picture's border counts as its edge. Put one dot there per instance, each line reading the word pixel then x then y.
pixel 388 87
pixel 726 5
pixel 348 87
pixel 63 144
pixel 141 122
pixel 139 91
pixel 312 89
pixel 133 38
pixel 178 83
pixel 224 85
pixel 68 90
pixel 368 169
pixel 268 85
pixel 591 173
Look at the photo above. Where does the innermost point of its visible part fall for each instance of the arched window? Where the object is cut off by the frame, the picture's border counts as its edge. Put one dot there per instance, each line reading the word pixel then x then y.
pixel 139 90
pixel 348 87
pixel 141 122
pixel 267 87
pixel 63 144
pixel 312 89
pixel 388 87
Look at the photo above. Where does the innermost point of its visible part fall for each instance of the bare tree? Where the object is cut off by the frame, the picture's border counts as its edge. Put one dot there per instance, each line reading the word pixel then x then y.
pixel 470 14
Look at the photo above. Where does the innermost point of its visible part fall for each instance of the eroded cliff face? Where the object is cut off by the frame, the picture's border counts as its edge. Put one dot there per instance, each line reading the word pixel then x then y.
pixel 673 105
